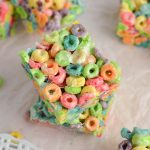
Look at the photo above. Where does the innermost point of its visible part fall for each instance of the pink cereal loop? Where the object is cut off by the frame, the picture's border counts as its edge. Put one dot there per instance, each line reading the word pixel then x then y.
pixel 48 12
pixel 98 83
pixel 34 65
pixel 3 10
pixel 59 78
pixel 69 100
pixel 85 97
pixel 128 18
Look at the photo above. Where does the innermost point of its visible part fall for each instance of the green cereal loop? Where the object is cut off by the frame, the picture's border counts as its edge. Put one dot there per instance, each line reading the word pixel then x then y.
pixel 86 43
pixel 63 58
pixel 68 19
pixel 20 10
pixel 122 27
pixel 100 63
pixel 96 110
pixel 38 76
pixel 71 42
pixel 76 10
pixel 143 140
pixel 72 90
pixel 90 70
pixel 74 70
pixel 130 4
pixel 1 82
pixel 62 34
pixel 24 57
pixel 118 78
pixel 2 32
pixel 53 37
pixel 61 116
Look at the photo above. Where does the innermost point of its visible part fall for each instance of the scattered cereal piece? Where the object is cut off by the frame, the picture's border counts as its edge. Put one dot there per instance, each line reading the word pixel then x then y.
pixel 138 139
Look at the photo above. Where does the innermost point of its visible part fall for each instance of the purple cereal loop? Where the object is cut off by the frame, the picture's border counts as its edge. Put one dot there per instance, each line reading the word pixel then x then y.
pixel 64 12
pixel 78 30
pixel 99 55
pixel 125 145
pixel 104 104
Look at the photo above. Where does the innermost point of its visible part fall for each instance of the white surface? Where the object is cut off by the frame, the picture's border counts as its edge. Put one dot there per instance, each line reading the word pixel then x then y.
pixel 132 103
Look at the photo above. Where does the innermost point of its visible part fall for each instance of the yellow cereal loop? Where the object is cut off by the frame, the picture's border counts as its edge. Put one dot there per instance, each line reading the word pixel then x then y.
pixel 125 7
pixel 58 4
pixel 139 3
pixel 89 89
pixel 76 22
pixel 75 81
pixel 140 148
pixel 29 27
pixel 17 135
pixel 84 115
pixel 140 23
pixel 40 56
pixel 32 3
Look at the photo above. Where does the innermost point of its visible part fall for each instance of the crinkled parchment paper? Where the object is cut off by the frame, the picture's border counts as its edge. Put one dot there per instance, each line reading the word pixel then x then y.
pixel 132 103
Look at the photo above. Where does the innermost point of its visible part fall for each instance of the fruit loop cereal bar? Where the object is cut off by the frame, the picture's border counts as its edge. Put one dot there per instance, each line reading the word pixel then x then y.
pixel 41 15
pixel 14 141
pixel 134 22
pixel 138 139
pixel 74 81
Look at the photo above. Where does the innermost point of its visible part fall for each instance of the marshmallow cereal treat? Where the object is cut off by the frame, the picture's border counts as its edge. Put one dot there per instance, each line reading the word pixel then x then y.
pixel 74 81
pixel 134 22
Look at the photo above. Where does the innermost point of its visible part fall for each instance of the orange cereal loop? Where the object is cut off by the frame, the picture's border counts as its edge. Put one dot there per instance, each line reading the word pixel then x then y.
pixel 54 50
pixel 45 43
pixel 52 92
pixel 128 40
pixel 67 5
pixel 50 67
pixel 48 3
pixel 90 59
pixel 91 123
pixel 42 19
pixel 108 72
pixel 139 40
pixel 113 87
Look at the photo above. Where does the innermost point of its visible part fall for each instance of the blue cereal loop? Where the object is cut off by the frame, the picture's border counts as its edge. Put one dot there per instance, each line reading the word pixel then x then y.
pixel 125 133
pixel 74 70
pixel 71 42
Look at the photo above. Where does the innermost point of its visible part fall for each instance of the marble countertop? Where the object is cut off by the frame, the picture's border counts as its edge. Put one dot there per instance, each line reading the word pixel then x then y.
pixel 132 103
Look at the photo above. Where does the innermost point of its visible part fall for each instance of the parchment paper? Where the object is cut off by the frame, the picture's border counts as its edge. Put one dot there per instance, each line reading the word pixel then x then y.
pixel 132 103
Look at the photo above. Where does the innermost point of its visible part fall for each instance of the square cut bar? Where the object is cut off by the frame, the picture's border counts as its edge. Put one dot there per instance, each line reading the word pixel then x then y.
pixel 75 82
pixel 134 22
pixel 45 15
pixel 138 139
